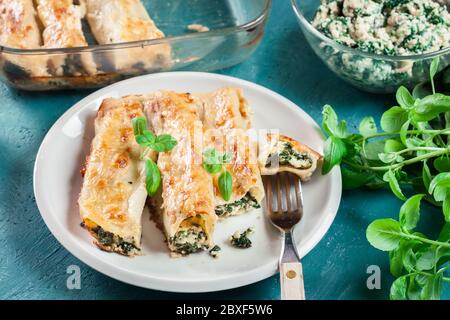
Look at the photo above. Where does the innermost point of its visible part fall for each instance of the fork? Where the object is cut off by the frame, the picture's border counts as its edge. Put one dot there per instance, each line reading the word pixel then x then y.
pixel 284 206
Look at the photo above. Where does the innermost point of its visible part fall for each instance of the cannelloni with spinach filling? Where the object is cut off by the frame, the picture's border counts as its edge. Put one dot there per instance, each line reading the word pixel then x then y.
pixel 19 29
pixel 227 117
pixel 118 21
pixel 187 211
pixel 61 20
pixel 113 194
pixel 280 153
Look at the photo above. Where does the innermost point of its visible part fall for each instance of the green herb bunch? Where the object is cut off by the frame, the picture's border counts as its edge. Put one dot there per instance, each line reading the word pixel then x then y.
pixel 213 163
pixel 411 155
pixel 150 141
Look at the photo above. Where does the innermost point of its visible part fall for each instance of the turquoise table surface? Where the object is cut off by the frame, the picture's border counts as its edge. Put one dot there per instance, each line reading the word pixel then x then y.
pixel 33 264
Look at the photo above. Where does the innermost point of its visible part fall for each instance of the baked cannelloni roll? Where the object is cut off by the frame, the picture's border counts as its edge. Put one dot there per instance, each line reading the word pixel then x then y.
pixel 61 20
pixel 280 153
pixel 19 29
pixel 187 210
pixel 113 194
pixel 118 21
pixel 227 118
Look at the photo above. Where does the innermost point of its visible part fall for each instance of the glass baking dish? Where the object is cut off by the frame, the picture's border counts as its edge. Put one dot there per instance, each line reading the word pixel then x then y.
pixel 235 28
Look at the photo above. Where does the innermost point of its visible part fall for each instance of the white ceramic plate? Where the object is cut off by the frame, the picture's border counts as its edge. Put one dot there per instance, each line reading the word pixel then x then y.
pixel 57 183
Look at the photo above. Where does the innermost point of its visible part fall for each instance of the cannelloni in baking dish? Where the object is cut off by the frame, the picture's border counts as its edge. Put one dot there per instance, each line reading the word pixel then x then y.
pixel 119 21
pixel 187 210
pixel 113 194
pixel 227 117
pixel 61 20
pixel 19 29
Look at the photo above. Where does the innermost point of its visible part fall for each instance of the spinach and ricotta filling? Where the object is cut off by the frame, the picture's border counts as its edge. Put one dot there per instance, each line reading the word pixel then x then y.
pixel 214 251
pixel 241 240
pixel 245 203
pixel 189 240
pixel 284 154
pixel 113 242
pixel 390 27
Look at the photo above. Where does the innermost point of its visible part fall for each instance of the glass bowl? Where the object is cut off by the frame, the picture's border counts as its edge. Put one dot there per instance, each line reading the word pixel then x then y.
pixel 235 28
pixel 369 72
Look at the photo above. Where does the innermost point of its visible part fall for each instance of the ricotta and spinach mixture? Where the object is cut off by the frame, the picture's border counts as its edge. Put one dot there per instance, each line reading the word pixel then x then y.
pixel 284 154
pixel 189 240
pixel 388 27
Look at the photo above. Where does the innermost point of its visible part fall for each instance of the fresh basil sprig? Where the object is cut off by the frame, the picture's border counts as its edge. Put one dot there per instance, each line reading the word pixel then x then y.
pixel 418 262
pixel 148 140
pixel 213 163
pixel 410 154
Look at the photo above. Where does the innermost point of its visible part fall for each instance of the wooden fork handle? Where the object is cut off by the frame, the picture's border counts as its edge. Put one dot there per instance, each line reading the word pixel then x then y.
pixel 291 280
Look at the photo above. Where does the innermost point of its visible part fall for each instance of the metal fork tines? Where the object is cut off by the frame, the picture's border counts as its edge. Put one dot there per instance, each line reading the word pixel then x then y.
pixel 284 200
pixel 284 206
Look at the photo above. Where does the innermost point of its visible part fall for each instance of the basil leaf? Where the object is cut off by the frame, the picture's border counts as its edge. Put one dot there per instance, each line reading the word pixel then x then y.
pixel 441 180
pixel 334 151
pixel 212 168
pixel 444 235
pixel 225 185
pixel 373 149
pixel 446 207
pixel 146 139
pixel 330 123
pixel 410 212
pixel 442 164
pixel 139 125
pixel 409 259
pixel 393 119
pixel 329 120
pixel 393 145
pixel 414 289
pixel 226 158
pixel 404 131
pixel 426 175
pixel 152 178
pixel 396 262
pixel 404 98
pixel 352 179
pixel 367 126
pixel 384 234
pixel 387 157
pixel 398 289
pixel 426 258
pixel 212 161
pixel 390 178
pixel 430 107
pixel 432 288
pixel 164 143
pixel 434 68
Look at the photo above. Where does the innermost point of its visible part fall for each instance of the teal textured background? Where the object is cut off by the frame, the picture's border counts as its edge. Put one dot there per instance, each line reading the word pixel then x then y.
pixel 33 264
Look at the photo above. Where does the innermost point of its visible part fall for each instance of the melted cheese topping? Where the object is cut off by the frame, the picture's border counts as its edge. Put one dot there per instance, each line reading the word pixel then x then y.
pixel 113 193
pixel 226 116
pixel 186 187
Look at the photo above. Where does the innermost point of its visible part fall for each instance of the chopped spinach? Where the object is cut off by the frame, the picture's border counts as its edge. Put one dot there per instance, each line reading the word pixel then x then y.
pixel 214 251
pixel 246 202
pixel 241 240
